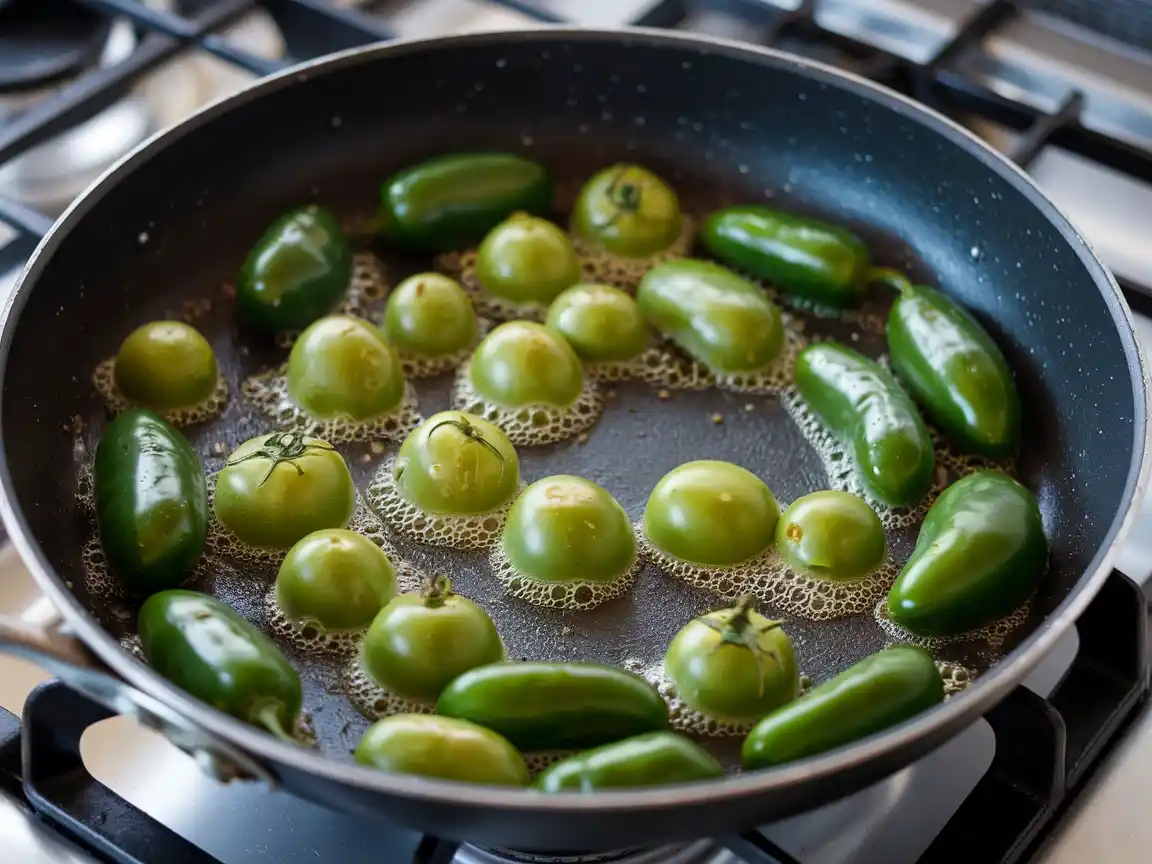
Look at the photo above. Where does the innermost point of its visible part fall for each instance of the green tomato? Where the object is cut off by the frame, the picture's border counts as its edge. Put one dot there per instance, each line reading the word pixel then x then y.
pixel 429 315
pixel 342 367
pixel 568 529
pixel 831 535
pixel 418 643
pixel 276 489
pixel 441 747
pixel 165 365
pixel 627 210
pixel 733 665
pixel 336 579
pixel 526 259
pixel 458 464
pixel 522 363
pixel 711 513
pixel 602 324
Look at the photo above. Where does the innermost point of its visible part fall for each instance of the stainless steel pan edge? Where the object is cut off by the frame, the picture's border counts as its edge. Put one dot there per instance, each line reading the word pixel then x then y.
pixel 253 747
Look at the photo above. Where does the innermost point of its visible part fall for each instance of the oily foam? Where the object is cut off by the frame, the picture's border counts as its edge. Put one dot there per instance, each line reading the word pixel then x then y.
pixel 531 425
pixel 775 379
pixel 102 586
pixel 581 595
pixel 221 541
pixel 992 634
pixel 956 677
pixel 366 288
pixel 775 585
pixel 478 531
pixel 372 700
pixel 659 365
pixel 268 392
pixel 605 268
pixel 104 380
pixel 423 366
pixel 688 720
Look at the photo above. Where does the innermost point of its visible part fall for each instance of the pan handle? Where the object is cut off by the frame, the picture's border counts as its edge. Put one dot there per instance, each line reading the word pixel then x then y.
pixel 51 646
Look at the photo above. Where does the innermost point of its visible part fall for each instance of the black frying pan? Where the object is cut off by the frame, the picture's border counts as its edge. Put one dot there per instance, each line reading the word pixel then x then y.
pixel 724 123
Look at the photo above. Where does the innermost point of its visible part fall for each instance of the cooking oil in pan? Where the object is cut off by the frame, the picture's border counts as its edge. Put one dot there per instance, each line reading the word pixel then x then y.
pixel 838 623
pixel 104 380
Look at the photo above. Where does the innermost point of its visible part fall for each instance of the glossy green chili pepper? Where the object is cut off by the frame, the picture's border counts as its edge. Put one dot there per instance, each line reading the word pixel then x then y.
pixel 721 319
pixel 555 706
pixel 655 759
pixel 151 501
pixel 450 202
pixel 862 404
pixel 980 553
pixel 800 255
pixel 878 692
pixel 205 648
pixel 955 370
pixel 296 272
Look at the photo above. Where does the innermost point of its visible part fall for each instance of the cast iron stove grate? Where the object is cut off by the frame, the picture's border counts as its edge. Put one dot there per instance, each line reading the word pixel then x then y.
pixel 1045 746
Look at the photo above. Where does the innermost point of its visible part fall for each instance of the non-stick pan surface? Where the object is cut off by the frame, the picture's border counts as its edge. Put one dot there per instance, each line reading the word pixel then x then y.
pixel 724 124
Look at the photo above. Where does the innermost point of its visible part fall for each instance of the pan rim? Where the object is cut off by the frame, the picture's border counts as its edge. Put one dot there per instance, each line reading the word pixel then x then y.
pixel 975 702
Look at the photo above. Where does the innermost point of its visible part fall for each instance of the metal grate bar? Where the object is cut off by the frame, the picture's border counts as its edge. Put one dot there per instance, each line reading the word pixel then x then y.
pixel 1026 150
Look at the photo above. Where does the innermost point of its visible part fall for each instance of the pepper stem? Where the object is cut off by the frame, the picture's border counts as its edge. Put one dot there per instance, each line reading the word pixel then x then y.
pixel 268 716
pixel 471 433
pixel 436 589
pixel 282 447
pixel 740 630
pixel 893 279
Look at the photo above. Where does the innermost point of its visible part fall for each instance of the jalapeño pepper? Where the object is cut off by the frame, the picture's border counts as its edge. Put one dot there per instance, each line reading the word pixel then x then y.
pixel 720 318
pixel 450 202
pixel 655 759
pixel 955 370
pixel 862 404
pixel 206 649
pixel 876 693
pixel 151 501
pixel 555 706
pixel 806 257
pixel 980 554
pixel 296 271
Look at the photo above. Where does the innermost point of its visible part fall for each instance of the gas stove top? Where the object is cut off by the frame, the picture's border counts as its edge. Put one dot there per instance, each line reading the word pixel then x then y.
pixel 1069 98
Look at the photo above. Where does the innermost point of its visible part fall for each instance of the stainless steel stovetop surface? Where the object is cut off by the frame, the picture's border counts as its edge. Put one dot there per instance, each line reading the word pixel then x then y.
pixel 1036 58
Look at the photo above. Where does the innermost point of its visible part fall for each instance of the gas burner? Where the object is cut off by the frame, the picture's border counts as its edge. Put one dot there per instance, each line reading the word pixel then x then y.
pixel 61 41
pixel 43 41
pixel 702 852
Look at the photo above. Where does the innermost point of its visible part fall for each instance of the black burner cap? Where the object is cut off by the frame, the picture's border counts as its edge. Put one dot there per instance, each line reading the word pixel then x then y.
pixel 43 41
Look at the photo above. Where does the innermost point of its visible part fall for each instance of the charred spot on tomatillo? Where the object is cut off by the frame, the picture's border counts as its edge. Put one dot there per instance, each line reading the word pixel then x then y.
pixel 457 464
pixel 711 513
pixel 733 665
pixel 341 367
pixel 277 488
pixel 628 211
